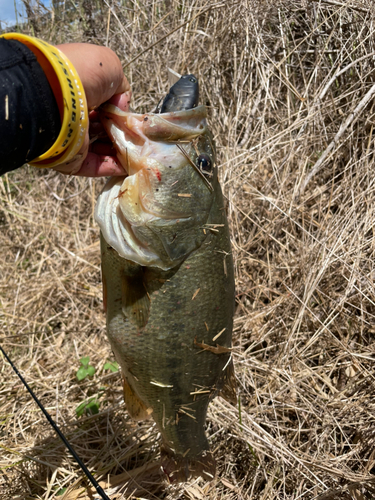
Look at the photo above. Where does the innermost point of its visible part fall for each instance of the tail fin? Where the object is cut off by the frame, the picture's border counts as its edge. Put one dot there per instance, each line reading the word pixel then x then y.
pixel 179 469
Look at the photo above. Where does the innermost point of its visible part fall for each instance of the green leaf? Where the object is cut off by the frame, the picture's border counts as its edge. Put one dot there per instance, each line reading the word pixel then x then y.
pixel 81 409
pixel 112 366
pixel 90 407
pixel 61 491
pixel 85 369
pixel 93 407
pixel 81 373
pixel 91 370
pixel 85 361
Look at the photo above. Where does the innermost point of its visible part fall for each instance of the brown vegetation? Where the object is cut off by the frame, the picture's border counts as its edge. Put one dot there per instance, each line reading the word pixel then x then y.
pixel 290 86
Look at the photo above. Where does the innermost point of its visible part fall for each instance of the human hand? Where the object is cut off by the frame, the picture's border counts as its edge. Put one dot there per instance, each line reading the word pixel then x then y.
pixel 102 78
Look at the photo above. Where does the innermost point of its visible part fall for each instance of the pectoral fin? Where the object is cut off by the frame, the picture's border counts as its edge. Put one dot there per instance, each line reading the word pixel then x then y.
pixel 135 301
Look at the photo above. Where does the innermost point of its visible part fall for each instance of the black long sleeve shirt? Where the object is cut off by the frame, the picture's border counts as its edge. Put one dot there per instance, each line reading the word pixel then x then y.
pixel 29 117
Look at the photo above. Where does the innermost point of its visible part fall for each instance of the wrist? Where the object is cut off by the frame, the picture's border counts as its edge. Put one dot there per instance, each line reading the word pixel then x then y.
pixel 70 97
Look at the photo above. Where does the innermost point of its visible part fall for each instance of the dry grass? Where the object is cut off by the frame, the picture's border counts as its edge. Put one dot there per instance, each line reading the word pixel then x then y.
pixel 284 81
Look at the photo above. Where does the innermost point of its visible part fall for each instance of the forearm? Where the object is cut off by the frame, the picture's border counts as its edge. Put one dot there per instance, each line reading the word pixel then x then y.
pixel 29 116
pixel 45 94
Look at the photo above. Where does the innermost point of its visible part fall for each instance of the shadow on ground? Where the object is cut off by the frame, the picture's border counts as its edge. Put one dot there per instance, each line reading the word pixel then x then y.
pixel 121 454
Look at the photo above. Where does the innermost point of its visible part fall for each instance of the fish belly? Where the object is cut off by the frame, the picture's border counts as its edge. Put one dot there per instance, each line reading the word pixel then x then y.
pixel 164 329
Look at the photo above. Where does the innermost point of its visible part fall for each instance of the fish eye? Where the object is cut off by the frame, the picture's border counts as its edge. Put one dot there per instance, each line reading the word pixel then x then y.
pixel 193 80
pixel 204 163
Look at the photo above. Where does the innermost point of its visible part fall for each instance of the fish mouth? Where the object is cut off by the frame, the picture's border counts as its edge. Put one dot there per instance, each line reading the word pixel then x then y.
pixel 133 211
pixel 140 139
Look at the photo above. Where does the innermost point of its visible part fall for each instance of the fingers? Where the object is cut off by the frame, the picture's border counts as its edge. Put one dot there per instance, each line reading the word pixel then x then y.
pixel 103 149
pixel 93 165
pixel 100 71
pixel 122 101
pixel 99 161
pixel 72 166
pixel 100 166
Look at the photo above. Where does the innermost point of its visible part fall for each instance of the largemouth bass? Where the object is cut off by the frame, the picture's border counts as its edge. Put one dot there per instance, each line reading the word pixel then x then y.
pixel 168 274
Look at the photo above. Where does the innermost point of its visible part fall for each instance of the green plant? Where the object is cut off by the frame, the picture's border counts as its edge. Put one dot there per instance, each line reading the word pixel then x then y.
pixel 112 366
pixel 61 491
pixel 85 369
pixel 88 407
pixel 91 406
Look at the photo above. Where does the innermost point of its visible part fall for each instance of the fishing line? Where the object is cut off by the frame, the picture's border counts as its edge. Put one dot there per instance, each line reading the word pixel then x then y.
pixel 93 481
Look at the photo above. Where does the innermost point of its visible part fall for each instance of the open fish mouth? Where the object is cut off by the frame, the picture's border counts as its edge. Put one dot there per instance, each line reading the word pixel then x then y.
pixel 154 215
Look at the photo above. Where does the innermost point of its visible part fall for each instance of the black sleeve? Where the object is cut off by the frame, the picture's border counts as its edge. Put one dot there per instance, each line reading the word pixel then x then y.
pixel 29 117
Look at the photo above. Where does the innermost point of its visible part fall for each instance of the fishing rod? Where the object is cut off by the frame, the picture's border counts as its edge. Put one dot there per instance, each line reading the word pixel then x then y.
pixel 91 478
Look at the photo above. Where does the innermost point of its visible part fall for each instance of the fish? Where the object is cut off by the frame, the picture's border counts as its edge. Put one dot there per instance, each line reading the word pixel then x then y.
pixel 167 271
